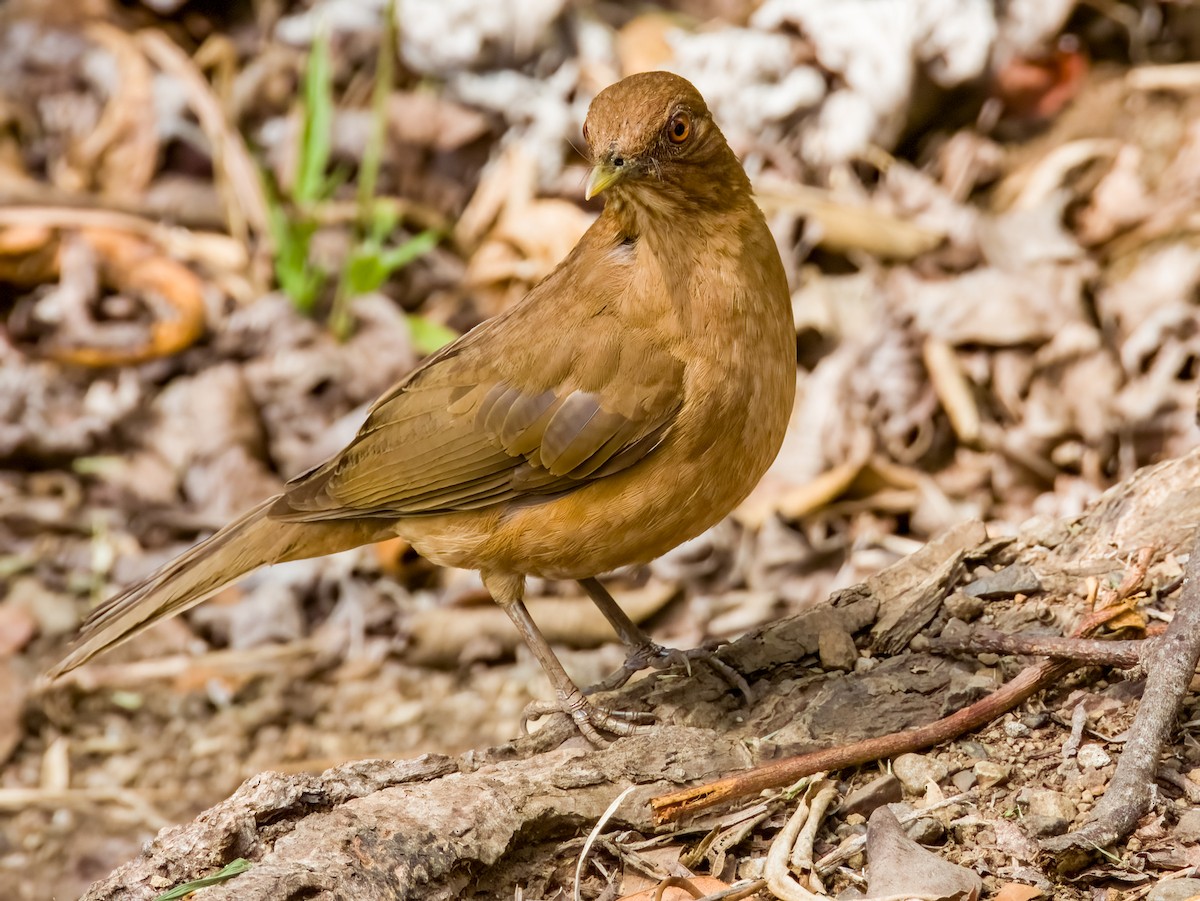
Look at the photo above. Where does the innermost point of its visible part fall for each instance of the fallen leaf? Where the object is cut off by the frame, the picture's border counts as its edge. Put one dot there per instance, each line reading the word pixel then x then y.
pixel 1018 891
pixel 17 628
pixel 705 885
pixel 13 690
pixel 899 867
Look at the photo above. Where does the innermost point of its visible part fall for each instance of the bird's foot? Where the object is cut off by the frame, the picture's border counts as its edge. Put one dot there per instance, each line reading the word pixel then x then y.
pixel 589 718
pixel 651 655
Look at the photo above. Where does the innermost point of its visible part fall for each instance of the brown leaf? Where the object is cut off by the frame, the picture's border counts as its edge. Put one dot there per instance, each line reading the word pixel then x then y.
pixel 12 708
pixel 132 266
pixel 123 147
pixel 898 866
pixel 17 628
pixel 1018 891
pixel 704 885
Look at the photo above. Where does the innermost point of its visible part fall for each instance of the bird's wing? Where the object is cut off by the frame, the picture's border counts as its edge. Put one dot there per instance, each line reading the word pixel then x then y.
pixel 486 422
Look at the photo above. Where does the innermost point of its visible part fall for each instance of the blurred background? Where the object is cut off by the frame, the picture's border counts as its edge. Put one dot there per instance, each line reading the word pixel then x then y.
pixel 226 227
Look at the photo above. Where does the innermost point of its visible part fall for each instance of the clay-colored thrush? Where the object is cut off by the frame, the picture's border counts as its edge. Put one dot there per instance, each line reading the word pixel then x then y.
pixel 629 402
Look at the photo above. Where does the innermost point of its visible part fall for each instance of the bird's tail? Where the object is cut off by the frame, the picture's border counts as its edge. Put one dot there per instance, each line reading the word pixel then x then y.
pixel 244 545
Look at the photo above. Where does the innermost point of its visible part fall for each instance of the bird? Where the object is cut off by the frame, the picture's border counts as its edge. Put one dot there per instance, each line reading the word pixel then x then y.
pixel 630 401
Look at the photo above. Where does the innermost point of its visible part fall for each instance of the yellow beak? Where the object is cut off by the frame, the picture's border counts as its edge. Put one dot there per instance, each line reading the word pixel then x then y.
pixel 603 176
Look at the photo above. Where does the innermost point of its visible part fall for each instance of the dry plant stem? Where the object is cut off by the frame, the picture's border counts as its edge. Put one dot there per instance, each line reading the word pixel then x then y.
pixel 792 847
pixel 1081 650
pixel 237 177
pixel 676 882
pixel 671 807
pixel 737 891
pixel 1171 663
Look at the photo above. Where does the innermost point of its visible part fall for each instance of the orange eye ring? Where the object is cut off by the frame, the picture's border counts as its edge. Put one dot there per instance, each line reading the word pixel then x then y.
pixel 680 128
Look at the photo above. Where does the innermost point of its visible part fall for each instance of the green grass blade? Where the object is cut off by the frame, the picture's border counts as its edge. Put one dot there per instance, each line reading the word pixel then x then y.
pixel 234 868
pixel 317 114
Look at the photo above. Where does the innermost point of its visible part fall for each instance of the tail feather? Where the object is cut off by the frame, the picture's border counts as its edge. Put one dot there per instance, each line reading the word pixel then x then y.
pixel 244 545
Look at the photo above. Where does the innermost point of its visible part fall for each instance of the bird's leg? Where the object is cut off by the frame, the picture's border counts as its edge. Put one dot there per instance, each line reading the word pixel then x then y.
pixel 507 591
pixel 644 652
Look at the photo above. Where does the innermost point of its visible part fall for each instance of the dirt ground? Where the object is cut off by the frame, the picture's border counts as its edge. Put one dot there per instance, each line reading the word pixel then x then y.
pixel 992 242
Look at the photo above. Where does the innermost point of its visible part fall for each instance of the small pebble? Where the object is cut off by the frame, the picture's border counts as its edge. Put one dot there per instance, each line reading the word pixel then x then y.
pixel 960 606
pixel 885 789
pixel 991 773
pixel 836 650
pixel 1043 827
pixel 1046 803
pixel 955 628
pixel 1188 827
pixel 915 771
pixel 1092 756
pixel 1035 720
pixel 1013 729
pixel 964 780
pixel 973 749
pixel 1016 579
pixel 925 831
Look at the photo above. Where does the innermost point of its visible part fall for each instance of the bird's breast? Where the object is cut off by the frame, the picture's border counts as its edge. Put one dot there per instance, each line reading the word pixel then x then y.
pixel 730 325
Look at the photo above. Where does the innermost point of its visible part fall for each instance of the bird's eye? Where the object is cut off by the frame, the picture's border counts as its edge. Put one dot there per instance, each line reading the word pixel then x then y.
pixel 680 128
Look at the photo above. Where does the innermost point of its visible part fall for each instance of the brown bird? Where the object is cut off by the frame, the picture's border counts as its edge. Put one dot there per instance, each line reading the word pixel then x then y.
pixel 629 402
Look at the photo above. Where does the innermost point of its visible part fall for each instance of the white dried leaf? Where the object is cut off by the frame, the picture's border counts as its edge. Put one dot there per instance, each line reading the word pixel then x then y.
pixel 443 37
pixel 992 307
pixel 874 47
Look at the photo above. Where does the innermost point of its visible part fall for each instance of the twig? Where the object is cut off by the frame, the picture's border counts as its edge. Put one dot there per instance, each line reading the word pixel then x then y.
pixel 1171 663
pixel 1081 650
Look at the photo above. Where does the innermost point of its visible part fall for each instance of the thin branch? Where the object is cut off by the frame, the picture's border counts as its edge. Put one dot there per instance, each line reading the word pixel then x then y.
pixel 1083 651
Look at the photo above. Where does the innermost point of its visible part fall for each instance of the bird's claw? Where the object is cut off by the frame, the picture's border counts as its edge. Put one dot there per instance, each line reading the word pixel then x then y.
pixel 589 718
pixel 651 655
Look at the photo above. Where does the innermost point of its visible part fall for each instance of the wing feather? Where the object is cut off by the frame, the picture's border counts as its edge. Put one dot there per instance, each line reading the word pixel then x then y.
pixel 440 442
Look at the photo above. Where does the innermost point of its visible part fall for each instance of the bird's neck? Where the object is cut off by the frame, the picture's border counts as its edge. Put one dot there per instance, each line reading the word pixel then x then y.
pixel 660 210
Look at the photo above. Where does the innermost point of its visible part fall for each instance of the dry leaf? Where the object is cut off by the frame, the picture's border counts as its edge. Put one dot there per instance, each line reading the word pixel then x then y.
pixel 122 150
pixel 174 292
pixel 17 628
pixel 13 690
pixel 899 867
pixel 702 885
pixel 1018 891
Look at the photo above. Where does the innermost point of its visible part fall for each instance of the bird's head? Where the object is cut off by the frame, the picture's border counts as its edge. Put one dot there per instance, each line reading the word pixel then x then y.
pixel 651 134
